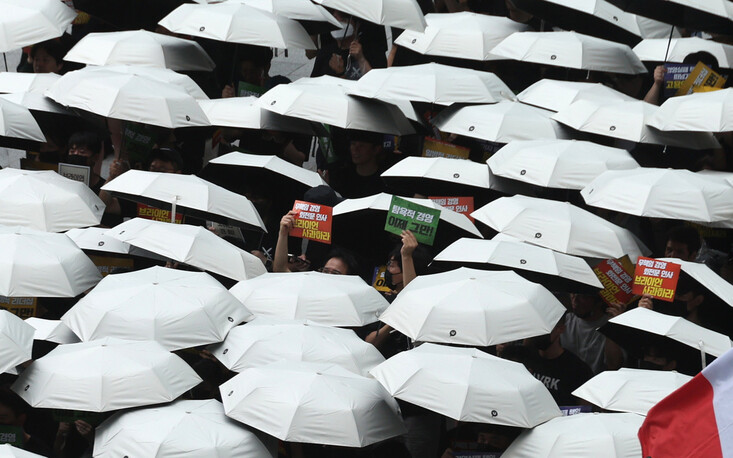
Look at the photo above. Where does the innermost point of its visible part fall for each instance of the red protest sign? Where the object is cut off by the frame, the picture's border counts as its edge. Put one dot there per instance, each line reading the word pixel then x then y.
pixel 617 277
pixel 157 214
pixel 656 278
pixel 312 221
pixel 462 205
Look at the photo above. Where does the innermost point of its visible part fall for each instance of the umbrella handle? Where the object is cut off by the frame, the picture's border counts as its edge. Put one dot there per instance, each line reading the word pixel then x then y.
pixel 173 209
pixel 703 361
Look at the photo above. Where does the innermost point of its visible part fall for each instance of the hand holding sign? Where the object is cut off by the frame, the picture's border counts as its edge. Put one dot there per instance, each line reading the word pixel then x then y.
pixel 404 215
pixel 310 221
pixel 655 278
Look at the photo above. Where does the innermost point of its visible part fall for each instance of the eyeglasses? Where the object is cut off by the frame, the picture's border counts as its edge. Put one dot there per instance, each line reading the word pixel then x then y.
pixel 326 270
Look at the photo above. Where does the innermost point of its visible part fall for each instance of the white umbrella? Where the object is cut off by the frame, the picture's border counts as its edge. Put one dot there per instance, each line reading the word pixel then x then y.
pixel 559 226
pixel 703 112
pixel 462 35
pixel 312 403
pixel 236 22
pixel 473 307
pixel 266 340
pixel 52 331
pixel 469 385
pixel 176 308
pixel 16 341
pixel 706 277
pixel 500 122
pixel 333 300
pixel 246 113
pixel 556 95
pixel 43 264
pixel 662 193
pixel 128 96
pixel 555 270
pixel 36 101
pixel 95 239
pixel 570 50
pixel 184 427
pixel 630 390
pixel 600 435
pixel 404 14
pixel 564 164
pixel 188 194
pixel 141 48
pixel 26 22
pixel 11 82
pixel 628 120
pixel 192 245
pixel 47 201
pixel 439 172
pixel 17 122
pixel 432 83
pixel 325 99
pixel 655 50
pixel 103 375
pixel 8 451
pixel 300 10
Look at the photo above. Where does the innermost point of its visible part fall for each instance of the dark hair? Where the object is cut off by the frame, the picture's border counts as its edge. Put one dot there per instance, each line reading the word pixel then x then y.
pixel 347 258
pixel 260 55
pixel 166 155
pixel 374 138
pixel 704 57
pixel 686 235
pixel 420 257
pixel 87 139
pixel 54 48
pixel 11 400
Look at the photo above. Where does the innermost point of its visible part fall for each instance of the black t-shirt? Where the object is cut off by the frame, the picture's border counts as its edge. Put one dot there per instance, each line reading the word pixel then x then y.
pixel 351 185
pixel 562 376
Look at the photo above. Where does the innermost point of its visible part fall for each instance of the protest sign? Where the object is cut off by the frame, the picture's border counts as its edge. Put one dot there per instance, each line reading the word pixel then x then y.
pixel 421 220
pixel 656 278
pixel 157 214
pixel 674 77
pixel 701 76
pixel 462 205
pixel 224 231
pixel 245 89
pixel 617 277
pixel 574 410
pixel 379 281
pixel 112 265
pixel 75 172
pixel 436 148
pixel 312 221
pixel 12 435
pixel 22 307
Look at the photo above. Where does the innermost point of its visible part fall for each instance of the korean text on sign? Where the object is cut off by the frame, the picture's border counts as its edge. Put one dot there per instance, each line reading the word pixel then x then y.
pixel 656 278
pixel 404 215
pixel 617 278
pixel 312 221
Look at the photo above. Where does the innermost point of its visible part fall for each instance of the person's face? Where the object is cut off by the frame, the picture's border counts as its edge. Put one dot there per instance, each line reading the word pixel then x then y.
pixel 8 417
pixel 363 152
pixel 395 271
pixel 335 266
pixel 582 304
pixel 83 152
pixel 252 73
pixel 164 167
pixel 677 250
pixel 44 63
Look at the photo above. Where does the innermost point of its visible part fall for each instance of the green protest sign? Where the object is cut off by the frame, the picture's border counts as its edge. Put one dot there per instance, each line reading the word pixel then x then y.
pixel 405 215
pixel 12 435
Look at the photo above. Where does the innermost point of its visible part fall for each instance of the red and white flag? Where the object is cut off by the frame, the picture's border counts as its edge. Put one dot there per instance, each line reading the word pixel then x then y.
pixel 696 420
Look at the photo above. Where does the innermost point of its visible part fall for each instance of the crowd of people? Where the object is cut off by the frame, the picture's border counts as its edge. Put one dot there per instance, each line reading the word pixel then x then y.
pixel 351 162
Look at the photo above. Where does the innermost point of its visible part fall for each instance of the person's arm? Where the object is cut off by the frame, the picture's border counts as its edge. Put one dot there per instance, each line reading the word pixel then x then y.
pixel 379 337
pixel 409 243
pixel 280 260
pixel 357 53
pixel 116 168
pixel 656 90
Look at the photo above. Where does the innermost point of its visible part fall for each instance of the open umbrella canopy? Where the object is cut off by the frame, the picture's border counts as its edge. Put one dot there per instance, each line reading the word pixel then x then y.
pixel 630 390
pixel 246 113
pixel 266 340
pixel 128 96
pixel 438 176
pixel 95 239
pixel 556 95
pixel 556 271
pixel 11 82
pixel 601 435
pixel 703 112
pixel 16 122
pixel 404 14
pixel 655 50
pixel 432 83
pixel 703 15
pixel 43 264
pixel 333 300
pixel 564 164
pixel 500 122
pixel 192 245
pixel 570 50
pixel 662 193
pixel 176 308
pixel 473 307
pixel 16 341
pixel 236 22
pixel 462 35
pixel 559 226
pixel 8 451
pixel 47 201
pixel 184 427
pixel 304 11
pixel 467 385
pixel 104 375
pixel 312 403
pixel 325 99
pixel 628 120
pixel 705 277
pixel 54 331
pixel 140 48
pixel 26 22
pixel 189 194
pixel 37 102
